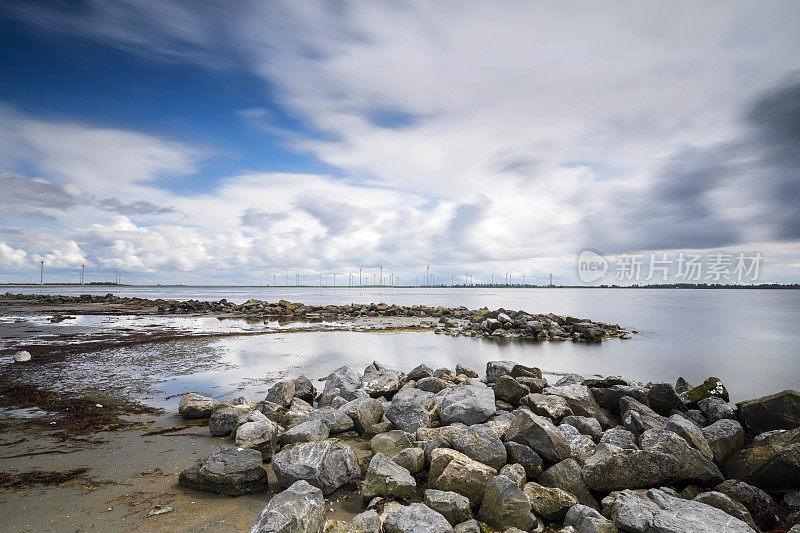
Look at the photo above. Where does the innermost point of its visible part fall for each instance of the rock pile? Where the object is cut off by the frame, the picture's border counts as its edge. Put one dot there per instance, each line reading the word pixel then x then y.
pixel 508 453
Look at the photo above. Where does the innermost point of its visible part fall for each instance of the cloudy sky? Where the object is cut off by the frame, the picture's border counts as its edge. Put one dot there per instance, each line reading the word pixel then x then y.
pixel 232 142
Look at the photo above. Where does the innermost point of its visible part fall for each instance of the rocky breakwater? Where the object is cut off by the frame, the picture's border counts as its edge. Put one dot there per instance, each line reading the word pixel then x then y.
pixel 446 451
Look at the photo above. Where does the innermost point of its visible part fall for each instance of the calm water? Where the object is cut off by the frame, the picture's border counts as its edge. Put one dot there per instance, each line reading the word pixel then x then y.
pixel 748 338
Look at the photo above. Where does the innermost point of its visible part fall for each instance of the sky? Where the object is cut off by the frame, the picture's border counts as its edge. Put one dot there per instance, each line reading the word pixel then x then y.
pixel 241 143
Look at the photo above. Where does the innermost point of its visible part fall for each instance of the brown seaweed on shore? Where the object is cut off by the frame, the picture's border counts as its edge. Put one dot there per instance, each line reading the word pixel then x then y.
pixel 16 480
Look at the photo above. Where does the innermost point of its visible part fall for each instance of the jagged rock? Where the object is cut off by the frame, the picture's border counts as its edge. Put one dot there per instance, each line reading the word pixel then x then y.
pixel 412 459
pixel 663 399
pixel 535 385
pixel 420 372
pixel 449 432
pixel 468 404
pixel 725 437
pixel 765 511
pixel 434 444
pixel 364 412
pixel 464 370
pixel 473 526
pixel 299 409
pixel 509 390
pixel 581 402
pixel 273 411
pixel 522 371
pixel 619 437
pixel 587 520
pixel 581 447
pixel 304 389
pixel 690 433
pixel 710 387
pixel 390 443
pixel 495 369
pixel 567 475
pixel 551 406
pixel 298 509
pixel 454 471
pixel 412 409
pixel 194 405
pixel 379 380
pixel 260 436
pixel 344 382
pixel 336 420
pixel 313 430
pixel 281 393
pixel 366 522
pixel 776 411
pixel 324 464
pixel 227 470
pixel 516 473
pixel 416 518
pixel 773 463
pixel 500 422
pixel 637 417
pixel 374 429
pixel 225 418
pixel 520 454
pixel 387 478
pixel 540 435
pixel 481 443
pixel 548 502
pixel 655 511
pixel 716 409
pixel 451 505
pixel 729 505
pixel 610 397
pixel 570 379
pixel 433 384
pixel 504 505
pixel 585 425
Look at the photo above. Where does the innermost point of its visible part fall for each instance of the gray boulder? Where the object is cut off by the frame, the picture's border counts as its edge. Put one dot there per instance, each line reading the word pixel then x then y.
pixel 725 437
pixel 313 430
pixel 765 511
pixel 570 379
pixel 390 443
pixel 433 384
pixel 420 372
pixel 260 436
pixel 416 518
pixel 567 475
pixel 464 370
pixel 225 418
pixel 412 409
pixel 412 459
pixel 509 390
pixel 505 505
pixel 663 399
pixel 690 433
pixel 387 478
pixel 729 505
pixel 451 505
pixel 281 393
pixel 587 520
pixel 452 470
pixel 304 389
pixel 610 397
pixel 495 369
pixel 364 412
pixel 776 411
pixel 581 447
pixel 336 420
pixel 194 405
pixel 481 443
pixel 540 435
pixel 343 382
pixel 227 470
pixel 468 404
pixel 325 464
pixel 520 454
pixel 515 473
pixel 379 380
pixel 298 509
pixel 548 502
pixel 619 437
pixel 585 425
pixel 548 405
pixel 581 401
pixel 714 409
pixel 637 417
pixel 772 463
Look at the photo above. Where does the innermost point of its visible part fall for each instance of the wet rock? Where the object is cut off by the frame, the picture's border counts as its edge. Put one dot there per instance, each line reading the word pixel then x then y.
pixel 587 520
pixel 727 504
pixel 386 478
pixel 298 509
pixel 481 443
pixel 567 475
pixel 261 436
pixel 452 470
pixel 468 404
pixel 343 382
pixel 464 370
pixel 416 518
pixel 775 463
pixel 451 505
pixel 716 409
pixel 776 411
pixel 381 381
pixel 690 433
pixel 548 502
pixel 304 389
pixel 551 406
pixel 23 356
pixel 412 459
pixel 619 437
pixel 313 430
pixel 711 387
pixel 194 405
pixel 505 505
pixel 585 425
pixel 655 511
pixel 581 447
pixel 227 470
pixel 390 443
pixel 663 399
pixel 364 412
pixel 420 372
pixel 509 390
pixel 225 418
pixel 520 454
pixel 725 437
pixel 281 393
pixel 540 435
pixel 581 402
pixel 495 369
pixel 325 464
pixel 412 409
pixel 765 511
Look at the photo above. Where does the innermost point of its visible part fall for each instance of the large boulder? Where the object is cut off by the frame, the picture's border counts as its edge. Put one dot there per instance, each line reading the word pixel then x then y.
pixel 281 393
pixel 416 518
pixel 468 404
pixel 509 390
pixel 655 511
pixel 690 433
pixel 298 509
pixel 711 387
pixel 412 409
pixel 227 470
pixel 364 412
pixel 379 380
pixel 495 369
pixel 539 434
pixel 551 503
pixel 225 418
pixel 481 443
pixel 504 506
pixel 548 405
pixel 581 447
pixel 412 459
pixel 324 464
pixel 261 436
pixel 451 505
pixel 452 470
pixel 776 411
pixel 729 505
pixel 194 405
pixel 387 478
pixel 520 454
pixel 619 437
pixel 725 437
pixel 637 417
pixel 337 420
pixel 343 382
pixel 567 475
pixel 587 520
pixel 765 511
pixel 390 443
pixel 773 463
pixel 420 372
pixel 581 401
pixel 304 389
pixel 609 397
pixel 312 430
pixel 585 425
pixel 716 409
pixel 663 399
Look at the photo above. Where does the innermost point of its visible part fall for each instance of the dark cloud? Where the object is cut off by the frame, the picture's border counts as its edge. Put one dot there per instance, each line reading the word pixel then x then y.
pixel 256 218
pixel 138 208
pixel 25 198
pixel 337 217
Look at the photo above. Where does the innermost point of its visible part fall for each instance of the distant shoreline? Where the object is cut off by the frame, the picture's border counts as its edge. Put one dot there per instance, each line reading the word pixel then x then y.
pixel 794 286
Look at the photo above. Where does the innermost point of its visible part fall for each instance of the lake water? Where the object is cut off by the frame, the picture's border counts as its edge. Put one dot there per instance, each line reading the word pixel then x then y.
pixel 748 338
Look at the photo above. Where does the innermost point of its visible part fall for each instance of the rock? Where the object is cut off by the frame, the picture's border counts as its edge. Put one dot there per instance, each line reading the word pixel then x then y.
pixel 619 437
pixel 776 411
pixel 412 409
pixel 773 464
pixel 505 505
pixel 429 446
pixel 390 443
pixel 551 406
pixel 313 430
pixel 364 412
pixel 420 372
pixel 344 382
pixel 481 443
pixel 500 422
pixel 464 370
pixel 225 418
pixel 535 385
pixel 570 379
pixel 509 390
pixel 304 389
pixel 495 369
pixel 548 502
pixel 281 393
pixel 23 356
pixel 454 471
pixel 273 411
pixel 610 397
pixel 655 511
pixel 374 429
pixel 540 435
pixel 638 418
pixel 716 409
pixel 193 405
pixel 710 387
pixel 381 381
pixel 693 415
pixel 727 504
pixel 663 399
pixel 298 410
pixel 725 437
pixel 336 420
pixel 581 447
pixel 515 473
pixel 416 518
pixel 792 501
pixel 298 509
pixel 449 432
pixel 690 433
pixel 567 475
pixel 367 522
pixel 581 401
pixel 451 505
pixel 585 425
pixel 520 454
pixel 387 478
pixel 260 436
pixel 468 404
pixel 472 526
pixel 522 371
pixel 227 470
pixel 324 464
pixel 412 459
pixel 587 520
pixel 765 511
pixel 433 384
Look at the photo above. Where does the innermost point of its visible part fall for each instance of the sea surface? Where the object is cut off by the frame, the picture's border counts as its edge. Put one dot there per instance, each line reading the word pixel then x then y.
pixel 748 338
